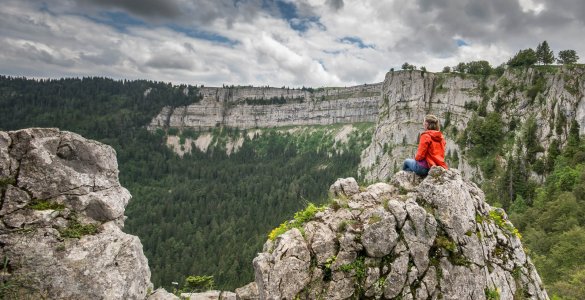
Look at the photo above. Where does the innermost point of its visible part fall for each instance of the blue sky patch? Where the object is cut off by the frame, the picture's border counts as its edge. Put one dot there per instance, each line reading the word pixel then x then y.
pixel 302 25
pixel 355 41
pixel 203 35
pixel 461 43
pixel 287 10
pixel 118 20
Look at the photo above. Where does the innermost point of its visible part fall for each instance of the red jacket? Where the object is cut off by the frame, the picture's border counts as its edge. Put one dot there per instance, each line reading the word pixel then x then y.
pixel 432 148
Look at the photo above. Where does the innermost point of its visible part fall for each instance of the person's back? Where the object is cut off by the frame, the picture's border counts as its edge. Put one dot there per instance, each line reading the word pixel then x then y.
pixel 432 148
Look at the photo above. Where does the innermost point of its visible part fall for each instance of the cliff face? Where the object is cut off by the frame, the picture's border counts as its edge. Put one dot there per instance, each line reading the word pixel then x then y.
pixel 547 95
pixel 410 239
pixel 61 215
pixel 248 107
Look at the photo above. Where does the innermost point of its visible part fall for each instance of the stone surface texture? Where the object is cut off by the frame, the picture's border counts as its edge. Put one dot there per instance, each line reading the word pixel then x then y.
pixel 62 212
pixel 412 238
pixel 250 107
pixel 407 96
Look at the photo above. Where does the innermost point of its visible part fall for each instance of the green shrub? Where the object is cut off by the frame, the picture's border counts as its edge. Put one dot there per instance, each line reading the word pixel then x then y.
pixel 300 218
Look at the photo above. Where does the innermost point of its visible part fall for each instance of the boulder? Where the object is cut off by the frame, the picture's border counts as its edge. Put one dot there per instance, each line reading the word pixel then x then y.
pixel 62 214
pixel 417 238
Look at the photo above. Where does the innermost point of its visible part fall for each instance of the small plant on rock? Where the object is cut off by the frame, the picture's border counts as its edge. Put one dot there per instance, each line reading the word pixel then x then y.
pixel 76 230
pixel 300 218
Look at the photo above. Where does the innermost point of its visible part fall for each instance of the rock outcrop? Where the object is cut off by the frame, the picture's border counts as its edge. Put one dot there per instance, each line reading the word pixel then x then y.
pixel 410 239
pixel 249 107
pixel 61 214
pixel 552 97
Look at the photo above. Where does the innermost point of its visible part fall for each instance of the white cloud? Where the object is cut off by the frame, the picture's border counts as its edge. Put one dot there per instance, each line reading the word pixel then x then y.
pixel 66 38
pixel 531 6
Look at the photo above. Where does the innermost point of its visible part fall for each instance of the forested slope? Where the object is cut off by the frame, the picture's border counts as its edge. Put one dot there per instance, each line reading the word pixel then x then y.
pixel 203 214
pixel 208 212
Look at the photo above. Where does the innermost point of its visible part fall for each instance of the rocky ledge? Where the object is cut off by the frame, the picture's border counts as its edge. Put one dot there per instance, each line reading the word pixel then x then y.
pixel 62 210
pixel 410 239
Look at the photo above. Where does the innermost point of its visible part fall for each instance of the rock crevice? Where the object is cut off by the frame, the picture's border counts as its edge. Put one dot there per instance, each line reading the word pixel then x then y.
pixel 411 239
pixel 62 211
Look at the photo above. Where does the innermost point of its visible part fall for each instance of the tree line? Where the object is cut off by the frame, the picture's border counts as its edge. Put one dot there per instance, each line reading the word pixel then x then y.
pixel 206 214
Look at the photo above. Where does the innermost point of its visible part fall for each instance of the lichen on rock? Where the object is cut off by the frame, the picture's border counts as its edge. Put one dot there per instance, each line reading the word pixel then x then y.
pixel 411 239
pixel 62 212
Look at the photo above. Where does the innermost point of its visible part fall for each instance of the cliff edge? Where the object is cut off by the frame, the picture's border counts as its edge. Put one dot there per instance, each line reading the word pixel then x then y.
pixel 62 210
pixel 410 239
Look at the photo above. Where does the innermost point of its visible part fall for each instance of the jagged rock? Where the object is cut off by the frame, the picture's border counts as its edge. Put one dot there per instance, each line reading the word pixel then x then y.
pixel 62 213
pixel 282 273
pixel 406 181
pixel 248 292
pixel 209 295
pixel 345 186
pixel 439 240
pixel 407 96
pixel 162 294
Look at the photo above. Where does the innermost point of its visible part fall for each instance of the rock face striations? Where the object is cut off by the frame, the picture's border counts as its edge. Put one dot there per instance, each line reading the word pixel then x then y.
pixel 410 239
pixel 551 97
pixel 62 210
pixel 249 107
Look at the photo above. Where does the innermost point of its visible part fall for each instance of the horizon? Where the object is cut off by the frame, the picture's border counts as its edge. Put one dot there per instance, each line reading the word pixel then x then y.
pixel 273 42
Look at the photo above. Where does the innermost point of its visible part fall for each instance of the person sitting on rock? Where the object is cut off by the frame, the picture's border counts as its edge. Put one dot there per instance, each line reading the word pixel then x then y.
pixel 431 149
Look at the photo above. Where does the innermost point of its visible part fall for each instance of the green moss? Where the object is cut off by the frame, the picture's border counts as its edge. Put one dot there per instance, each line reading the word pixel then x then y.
pixel 498 218
pixel 327 268
pixel 374 219
pixel 19 288
pixel 76 230
pixel 43 204
pixel 358 266
pixel 455 257
pixel 445 243
pixel 492 294
pixel 4 182
pixel 402 190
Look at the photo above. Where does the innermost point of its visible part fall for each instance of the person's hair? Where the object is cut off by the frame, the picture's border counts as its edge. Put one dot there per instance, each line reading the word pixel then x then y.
pixel 432 122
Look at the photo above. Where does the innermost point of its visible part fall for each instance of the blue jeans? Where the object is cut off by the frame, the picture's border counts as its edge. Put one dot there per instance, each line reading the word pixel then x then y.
pixel 412 166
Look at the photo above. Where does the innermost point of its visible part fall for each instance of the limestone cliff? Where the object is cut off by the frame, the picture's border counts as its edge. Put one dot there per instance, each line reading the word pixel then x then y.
pixel 410 239
pixel 249 107
pixel 62 210
pixel 552 96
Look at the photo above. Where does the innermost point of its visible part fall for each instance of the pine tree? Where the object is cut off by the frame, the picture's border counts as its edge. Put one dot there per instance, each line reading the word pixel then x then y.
pixel 544 54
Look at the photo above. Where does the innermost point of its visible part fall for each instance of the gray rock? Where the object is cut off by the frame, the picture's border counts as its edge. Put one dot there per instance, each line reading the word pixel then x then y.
pixel 209 295
pixel 380 237
pixel 405 94
pixel 283 273
pixel 162 294
pixel 419 245
pixel 64 181
pixel 226 106
pixel 248 292
pixel 344 187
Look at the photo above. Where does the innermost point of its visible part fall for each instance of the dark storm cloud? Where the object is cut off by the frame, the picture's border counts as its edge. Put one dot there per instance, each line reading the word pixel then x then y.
pixel 106 57
pixel 170 62
pixel 335 4
pixel 501 22
pixel 435 24
pixel 188 11
pixel 146 8
pixel 37 53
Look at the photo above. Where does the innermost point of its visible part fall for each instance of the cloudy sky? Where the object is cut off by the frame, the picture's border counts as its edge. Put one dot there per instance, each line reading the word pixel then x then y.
pixel 273 42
